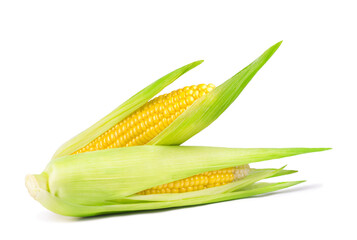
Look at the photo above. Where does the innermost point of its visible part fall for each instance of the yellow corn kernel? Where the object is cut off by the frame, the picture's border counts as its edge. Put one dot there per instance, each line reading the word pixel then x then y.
pixel 148 121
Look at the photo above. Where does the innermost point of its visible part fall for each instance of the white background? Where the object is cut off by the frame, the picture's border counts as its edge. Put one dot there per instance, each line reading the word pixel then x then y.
pixel 66 64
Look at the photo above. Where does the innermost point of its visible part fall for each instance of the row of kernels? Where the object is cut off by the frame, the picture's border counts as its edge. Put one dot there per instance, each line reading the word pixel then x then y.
pixel 171 190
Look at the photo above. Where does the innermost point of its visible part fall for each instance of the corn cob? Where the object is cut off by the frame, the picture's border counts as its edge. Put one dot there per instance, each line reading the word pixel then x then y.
pixel 201 181
pixel 148 121
pixel 104 170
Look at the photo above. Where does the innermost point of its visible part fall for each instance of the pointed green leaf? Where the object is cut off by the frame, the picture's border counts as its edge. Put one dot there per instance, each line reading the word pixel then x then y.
pixel 280 173
pixel 209 107
pixel 124 110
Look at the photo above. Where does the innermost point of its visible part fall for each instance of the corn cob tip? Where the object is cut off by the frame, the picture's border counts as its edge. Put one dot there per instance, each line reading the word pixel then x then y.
pixel 35 183
pixel 32 185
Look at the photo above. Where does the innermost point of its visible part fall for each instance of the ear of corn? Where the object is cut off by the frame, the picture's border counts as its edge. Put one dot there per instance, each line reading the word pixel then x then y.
pixel 184 125
pixel 97 172
pixel 124 110
pixel 102 177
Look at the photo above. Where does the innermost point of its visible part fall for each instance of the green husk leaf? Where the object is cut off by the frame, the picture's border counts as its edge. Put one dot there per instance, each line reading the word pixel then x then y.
pixel 209 107
pixel 279 173
pixel 252 177
pixel 63 207
pixel 94 178
pixel 121 112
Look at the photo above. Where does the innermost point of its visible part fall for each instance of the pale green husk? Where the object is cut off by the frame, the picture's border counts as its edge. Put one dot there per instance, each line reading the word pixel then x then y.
pixel 102 180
